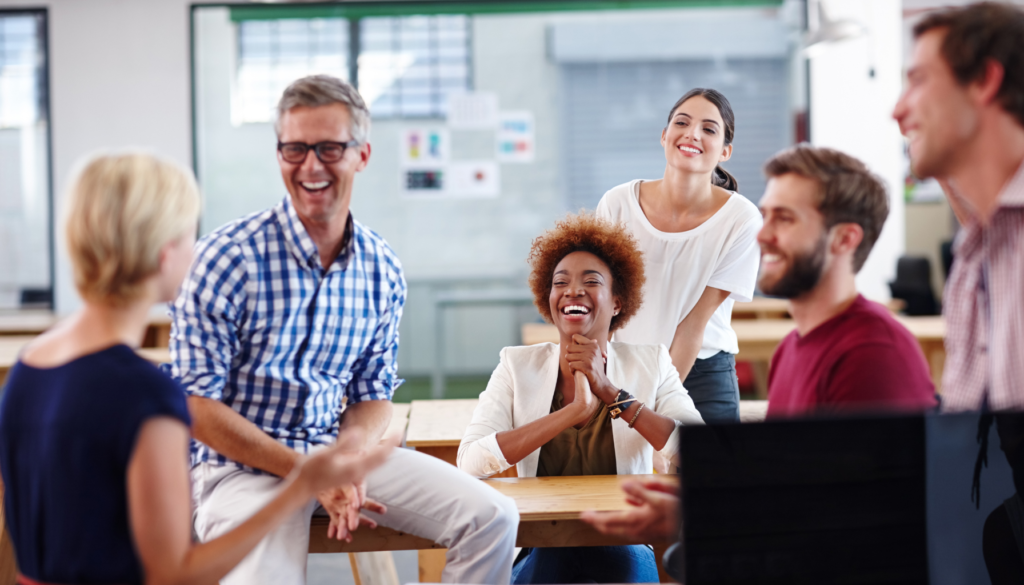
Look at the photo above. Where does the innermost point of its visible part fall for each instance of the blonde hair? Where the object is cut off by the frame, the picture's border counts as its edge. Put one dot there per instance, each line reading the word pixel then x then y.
pixel 121 210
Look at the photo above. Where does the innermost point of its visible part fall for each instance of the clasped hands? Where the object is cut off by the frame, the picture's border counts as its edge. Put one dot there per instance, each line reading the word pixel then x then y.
pixel 585 357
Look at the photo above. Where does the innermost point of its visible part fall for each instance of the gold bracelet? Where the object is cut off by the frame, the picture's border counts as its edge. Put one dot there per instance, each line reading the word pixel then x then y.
pixel 642 405
pixel 616 408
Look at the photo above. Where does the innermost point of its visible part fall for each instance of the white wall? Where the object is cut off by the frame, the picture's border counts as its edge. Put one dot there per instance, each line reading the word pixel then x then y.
pixel 119 76
pixel 850 111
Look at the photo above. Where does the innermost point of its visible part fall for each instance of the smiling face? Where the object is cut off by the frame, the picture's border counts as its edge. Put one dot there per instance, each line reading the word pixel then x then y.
pixel 793 240
pixel 694 139
pixel 934 112
pixel 320 192
pixel 581 297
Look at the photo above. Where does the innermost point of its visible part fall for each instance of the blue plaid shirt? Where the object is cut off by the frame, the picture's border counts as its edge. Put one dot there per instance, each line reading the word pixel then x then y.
pixel 261 326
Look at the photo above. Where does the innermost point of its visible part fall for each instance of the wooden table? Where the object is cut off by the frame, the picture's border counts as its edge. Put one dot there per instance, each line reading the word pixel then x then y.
pixel 759 338
pixel 26 322
pixel 549 512
pixel 761 308
pixel 34 322
pixel 771 308
pixel 436 426
pixel 11 346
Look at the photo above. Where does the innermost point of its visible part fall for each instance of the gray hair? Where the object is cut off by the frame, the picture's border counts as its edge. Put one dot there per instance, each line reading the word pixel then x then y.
pixel 323 90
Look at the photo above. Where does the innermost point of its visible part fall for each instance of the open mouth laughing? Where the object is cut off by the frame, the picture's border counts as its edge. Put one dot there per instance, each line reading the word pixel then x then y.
pixel 314 187
pixel 575 311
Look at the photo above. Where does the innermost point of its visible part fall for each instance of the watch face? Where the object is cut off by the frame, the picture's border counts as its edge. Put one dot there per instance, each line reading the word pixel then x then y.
pixel 615 412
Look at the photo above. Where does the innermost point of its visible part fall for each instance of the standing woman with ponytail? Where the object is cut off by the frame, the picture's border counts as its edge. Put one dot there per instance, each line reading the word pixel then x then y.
pixel 699 238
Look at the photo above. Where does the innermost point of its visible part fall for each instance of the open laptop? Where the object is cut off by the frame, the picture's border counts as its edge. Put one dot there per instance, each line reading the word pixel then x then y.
pixel 867 500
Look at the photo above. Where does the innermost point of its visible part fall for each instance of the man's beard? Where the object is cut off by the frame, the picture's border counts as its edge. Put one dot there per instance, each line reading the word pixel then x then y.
pixel 803 274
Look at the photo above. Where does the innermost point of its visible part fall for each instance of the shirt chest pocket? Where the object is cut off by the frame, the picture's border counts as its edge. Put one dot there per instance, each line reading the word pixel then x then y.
pixel 344 340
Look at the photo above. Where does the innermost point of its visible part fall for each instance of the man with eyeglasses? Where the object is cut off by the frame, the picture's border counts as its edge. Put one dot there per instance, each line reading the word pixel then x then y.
pixel 285 335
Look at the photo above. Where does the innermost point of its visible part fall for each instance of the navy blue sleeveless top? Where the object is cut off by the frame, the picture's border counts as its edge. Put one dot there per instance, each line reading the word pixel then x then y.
pixel 66 438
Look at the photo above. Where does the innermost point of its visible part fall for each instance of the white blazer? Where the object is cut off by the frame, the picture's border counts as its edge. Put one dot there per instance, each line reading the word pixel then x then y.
pixel 522 387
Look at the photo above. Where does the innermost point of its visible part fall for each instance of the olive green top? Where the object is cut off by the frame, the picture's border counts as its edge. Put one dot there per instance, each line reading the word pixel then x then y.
pixel 586 451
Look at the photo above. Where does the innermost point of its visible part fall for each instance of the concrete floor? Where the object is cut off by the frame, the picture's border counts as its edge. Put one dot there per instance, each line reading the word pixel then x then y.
pixel 333 569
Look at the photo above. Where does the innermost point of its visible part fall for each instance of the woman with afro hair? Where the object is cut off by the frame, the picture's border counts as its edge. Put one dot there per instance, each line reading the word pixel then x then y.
pixel 586 406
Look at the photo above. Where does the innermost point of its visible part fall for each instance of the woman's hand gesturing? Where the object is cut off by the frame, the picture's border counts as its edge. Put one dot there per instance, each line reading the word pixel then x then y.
pixel 585 355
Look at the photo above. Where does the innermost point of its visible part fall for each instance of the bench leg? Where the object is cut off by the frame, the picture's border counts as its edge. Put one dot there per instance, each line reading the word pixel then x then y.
pixel 432 564
pixel 373 568
pixel 8 568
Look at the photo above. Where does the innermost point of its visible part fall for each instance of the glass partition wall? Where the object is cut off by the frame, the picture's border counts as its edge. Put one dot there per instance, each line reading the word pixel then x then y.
pixel 26 274
pixel 490 121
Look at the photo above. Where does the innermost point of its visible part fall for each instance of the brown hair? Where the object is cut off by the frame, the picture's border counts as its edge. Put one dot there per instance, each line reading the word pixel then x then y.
pixel 610 242
pixel 979 33
pixel 850 193
pixel 720 177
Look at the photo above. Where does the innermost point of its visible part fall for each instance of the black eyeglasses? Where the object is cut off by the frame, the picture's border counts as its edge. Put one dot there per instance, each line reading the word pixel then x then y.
pixel 327 152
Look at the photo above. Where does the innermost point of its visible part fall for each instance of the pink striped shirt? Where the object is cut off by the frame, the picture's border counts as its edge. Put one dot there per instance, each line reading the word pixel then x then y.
pixel 984 309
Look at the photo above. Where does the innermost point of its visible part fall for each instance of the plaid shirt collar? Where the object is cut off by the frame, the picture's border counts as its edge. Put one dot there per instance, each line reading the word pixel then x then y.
pixel 302 246
pixel 1012 194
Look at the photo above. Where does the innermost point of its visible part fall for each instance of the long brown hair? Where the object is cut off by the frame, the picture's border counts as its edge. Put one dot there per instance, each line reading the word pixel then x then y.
pixel 720 177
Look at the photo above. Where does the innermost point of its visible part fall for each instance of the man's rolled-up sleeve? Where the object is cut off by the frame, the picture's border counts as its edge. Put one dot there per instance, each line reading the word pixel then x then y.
pixel 204 319
pixel 375 373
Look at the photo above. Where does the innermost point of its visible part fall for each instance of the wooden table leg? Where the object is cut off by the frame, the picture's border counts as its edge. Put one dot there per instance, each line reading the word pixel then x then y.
pixel 760 371
pixel 659 554
pixel 432 564
pixel 8 564
pixel 935 353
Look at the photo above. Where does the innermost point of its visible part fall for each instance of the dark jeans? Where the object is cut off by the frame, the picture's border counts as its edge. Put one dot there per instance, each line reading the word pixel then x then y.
pixel 587 564
pixel 715 390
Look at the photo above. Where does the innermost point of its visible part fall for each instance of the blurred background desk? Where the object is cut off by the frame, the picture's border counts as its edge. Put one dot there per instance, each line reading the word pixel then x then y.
pixel 11 346
pixel 758 338
pixel 465 298
pixel 34 322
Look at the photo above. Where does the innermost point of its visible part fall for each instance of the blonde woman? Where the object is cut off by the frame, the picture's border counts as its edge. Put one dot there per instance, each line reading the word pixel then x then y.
pixel 93 439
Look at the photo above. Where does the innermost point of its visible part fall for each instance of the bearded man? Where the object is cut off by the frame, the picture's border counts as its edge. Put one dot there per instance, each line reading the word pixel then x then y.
pixel 823 211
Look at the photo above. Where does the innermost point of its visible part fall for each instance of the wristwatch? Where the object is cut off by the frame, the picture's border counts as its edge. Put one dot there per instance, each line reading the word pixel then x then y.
pixel 622 402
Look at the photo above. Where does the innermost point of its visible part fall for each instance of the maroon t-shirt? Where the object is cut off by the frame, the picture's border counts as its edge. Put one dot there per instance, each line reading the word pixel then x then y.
pixel 860 360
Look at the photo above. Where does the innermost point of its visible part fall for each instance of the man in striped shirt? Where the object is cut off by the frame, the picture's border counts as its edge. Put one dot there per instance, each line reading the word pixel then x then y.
pixel 963 113
pixel 285 337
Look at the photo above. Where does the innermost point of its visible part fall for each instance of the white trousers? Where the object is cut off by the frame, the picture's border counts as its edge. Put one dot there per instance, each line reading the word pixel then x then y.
pixel 424 496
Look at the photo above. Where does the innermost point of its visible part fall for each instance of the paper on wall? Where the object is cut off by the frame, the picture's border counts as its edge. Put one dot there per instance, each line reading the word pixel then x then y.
pixel 424 147
pixel 480 178
pixel 514 138
pixel 473 110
